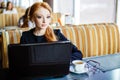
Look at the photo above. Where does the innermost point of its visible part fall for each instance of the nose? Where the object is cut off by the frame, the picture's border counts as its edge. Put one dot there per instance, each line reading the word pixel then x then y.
pixel 44 20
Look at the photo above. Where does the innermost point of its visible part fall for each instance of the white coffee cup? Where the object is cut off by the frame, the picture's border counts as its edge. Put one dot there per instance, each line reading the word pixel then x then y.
pixel 79 65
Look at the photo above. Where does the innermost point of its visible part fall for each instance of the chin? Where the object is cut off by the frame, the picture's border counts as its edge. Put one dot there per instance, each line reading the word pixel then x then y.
pixel 44 27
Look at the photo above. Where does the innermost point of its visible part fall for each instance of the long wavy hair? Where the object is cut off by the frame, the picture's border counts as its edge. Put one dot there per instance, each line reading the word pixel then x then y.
pixel 49 34
pixel 26 18
pixel 9 2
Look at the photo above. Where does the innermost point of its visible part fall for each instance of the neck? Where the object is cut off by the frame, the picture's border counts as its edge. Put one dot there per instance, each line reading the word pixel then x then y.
pixel 39 32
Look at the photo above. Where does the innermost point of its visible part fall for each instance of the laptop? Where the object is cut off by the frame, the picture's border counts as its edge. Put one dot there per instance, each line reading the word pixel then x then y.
pixel 40 59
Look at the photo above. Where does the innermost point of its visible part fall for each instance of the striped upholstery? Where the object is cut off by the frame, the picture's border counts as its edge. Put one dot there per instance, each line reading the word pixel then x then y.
pixel 1 10
pixel 119 40
pixel 94 39
pixel 11 19
pixel 20 14
pixel 2 20
pixel 9 37
pixel 91 39
pixel 19 9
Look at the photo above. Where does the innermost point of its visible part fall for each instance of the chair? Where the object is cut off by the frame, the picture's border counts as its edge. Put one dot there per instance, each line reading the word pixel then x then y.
pixel 2 20
pixel 20 14
pixel 9 37
pixel 1 10
pixel 11 19
pixel 20 10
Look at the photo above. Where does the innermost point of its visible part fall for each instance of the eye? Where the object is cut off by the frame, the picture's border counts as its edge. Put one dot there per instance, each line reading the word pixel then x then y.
pixel 48 16
pixel 38 16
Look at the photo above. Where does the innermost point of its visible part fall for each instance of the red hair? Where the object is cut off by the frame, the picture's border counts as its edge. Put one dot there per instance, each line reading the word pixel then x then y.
pixel 49 34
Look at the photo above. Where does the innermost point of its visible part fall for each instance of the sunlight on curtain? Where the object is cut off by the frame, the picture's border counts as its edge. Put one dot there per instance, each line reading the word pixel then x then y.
pixel 118 14
pixel 25 3
pixel 33 1
pixel 77 12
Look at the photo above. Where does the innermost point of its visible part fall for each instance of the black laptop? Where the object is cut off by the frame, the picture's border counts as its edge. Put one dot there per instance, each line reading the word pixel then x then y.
pixel 40 59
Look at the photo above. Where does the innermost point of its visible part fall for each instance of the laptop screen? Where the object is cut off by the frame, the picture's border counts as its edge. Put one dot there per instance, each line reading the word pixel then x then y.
pixel 40 59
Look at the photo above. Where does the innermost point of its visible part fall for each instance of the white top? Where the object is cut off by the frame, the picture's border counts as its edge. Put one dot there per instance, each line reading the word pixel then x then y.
pixel 13 11
pixel 30 23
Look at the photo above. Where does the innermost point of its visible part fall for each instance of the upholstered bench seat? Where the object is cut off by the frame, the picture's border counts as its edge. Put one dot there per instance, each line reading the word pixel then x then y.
pixel 91 39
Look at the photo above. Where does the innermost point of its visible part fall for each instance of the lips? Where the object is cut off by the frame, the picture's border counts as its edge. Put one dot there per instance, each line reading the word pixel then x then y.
pixel 44 25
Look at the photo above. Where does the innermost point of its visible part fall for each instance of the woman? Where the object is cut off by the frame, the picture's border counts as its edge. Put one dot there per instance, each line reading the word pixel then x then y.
pixel 9 9
pixel 2 5
pixel 25 18
pixel 41 15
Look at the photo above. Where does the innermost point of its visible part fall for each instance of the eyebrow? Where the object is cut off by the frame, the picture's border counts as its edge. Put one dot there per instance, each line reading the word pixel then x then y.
pixel 41 14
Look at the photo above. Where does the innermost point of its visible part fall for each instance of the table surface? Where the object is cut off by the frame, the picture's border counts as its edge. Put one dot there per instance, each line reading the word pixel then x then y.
pixel 110 70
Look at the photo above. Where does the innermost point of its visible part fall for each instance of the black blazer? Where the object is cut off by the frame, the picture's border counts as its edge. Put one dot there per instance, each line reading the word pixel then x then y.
pixel 28 37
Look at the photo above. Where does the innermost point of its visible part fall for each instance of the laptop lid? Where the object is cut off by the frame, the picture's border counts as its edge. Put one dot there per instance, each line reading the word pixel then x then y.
pixel 40 59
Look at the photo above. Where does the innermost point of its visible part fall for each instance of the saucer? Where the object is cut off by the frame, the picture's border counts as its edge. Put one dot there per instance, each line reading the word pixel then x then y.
pixel 72 69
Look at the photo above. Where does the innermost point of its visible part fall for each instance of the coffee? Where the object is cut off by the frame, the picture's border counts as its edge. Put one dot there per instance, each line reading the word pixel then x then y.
pixel 79 65
pixel 79 62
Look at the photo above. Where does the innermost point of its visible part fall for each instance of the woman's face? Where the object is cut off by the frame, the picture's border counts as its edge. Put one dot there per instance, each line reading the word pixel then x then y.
pixel 10 6
pixel 42 18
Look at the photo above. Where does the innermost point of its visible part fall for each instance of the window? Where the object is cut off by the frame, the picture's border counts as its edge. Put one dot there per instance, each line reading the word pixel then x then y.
pixel 94 11
pixel 118 14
